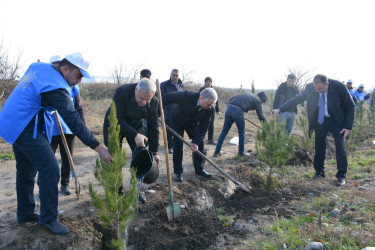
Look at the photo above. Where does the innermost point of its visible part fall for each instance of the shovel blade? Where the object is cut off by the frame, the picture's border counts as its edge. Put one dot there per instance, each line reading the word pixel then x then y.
pixel 173 211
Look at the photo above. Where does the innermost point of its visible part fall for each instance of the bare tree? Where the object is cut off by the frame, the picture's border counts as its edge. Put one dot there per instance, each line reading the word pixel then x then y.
pixel 121 75
pixel 186 74
pixel 137 70
pixel 9 71
pixel 304 76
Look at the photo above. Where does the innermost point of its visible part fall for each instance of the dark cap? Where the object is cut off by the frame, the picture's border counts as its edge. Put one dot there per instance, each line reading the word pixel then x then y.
pixel 208 79
pixel 145 73
pixel 262 96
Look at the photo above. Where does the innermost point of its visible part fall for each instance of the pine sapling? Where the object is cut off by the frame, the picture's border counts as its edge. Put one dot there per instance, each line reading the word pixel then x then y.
pixel 115 210
pixel 274 146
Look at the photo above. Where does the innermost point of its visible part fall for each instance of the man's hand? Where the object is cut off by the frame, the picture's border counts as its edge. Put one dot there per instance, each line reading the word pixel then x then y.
pixel 194 147
pixel 140 140
pixel 275 112
pixel 346 132
pixel 218 113
pixel 157 159
pixel 103 153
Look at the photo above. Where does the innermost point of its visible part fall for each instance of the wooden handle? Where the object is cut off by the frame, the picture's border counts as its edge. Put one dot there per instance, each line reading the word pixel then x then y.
pixel 253 123
pixel 71 164
pixel 163 126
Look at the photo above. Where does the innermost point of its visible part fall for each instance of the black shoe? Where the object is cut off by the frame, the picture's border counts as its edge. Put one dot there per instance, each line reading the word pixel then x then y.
pixel 218 153
pixel 170 151
pixel 244 155
pixel 211 142
pixel 204 174
pixel 318 175
pixel 142 198
pixel 179 178
pixel 34 217
pixel 66 189
pixel 340 182
pixel 56 227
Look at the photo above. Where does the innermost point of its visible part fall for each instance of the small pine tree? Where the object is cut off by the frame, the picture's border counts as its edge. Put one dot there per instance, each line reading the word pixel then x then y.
pixel 253 87
pixel 305 142
pixel 115 210
pixel 273 146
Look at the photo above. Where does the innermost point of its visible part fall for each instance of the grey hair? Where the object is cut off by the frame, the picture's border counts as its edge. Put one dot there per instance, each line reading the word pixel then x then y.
pixel 174 71
pixel 209 93
pixel 147 85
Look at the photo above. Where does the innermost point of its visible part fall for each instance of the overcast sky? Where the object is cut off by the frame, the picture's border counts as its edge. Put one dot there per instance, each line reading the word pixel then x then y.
pixel 235 42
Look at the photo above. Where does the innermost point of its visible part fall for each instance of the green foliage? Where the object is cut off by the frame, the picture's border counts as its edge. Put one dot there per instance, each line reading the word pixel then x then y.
pixel 273 145
pixel 115 210
pixel 305 142
pixel 4 157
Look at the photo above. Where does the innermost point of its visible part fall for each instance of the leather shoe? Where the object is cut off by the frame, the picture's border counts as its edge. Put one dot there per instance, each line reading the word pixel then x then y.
pixel 66 189
pixel 34 217
pixel 340 182
pixel 211 142
pixel 56 227
pixel 244 155
pixel 179 178
pixel 204 174
pixel 318 175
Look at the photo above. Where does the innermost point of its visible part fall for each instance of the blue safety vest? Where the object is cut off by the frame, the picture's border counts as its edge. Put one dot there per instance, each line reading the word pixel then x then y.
pixel 25 101
pixel 351 91
pixel 55 131
pixel 360 95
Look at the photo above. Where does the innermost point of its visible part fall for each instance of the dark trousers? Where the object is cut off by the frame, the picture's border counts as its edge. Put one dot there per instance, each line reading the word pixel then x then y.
pixel 65 167
pixel 169 134
pixel 198 162
pixel 32 156
pixel 211 127
pixel 321 132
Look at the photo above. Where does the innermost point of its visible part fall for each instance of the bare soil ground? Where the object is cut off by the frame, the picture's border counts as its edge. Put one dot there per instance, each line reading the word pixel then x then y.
pixel 217 215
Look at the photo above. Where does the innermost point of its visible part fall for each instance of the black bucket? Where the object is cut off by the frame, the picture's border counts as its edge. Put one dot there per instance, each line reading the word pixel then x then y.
pixel 153 175
pixel 142 160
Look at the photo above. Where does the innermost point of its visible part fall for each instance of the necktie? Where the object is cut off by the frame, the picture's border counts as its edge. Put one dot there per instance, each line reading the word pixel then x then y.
pixel 322 104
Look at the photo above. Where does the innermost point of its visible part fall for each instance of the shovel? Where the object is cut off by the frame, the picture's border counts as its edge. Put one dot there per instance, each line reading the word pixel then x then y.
pixel 253 123
pixel 173 209
pixel 239 184
pixel 71 164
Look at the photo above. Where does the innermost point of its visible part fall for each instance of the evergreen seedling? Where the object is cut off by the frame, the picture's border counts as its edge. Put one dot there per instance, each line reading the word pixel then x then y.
pixel 115 210
pixel 274 146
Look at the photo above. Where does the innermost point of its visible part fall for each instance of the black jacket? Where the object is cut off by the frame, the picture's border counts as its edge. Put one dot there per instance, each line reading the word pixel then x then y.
pixel 167 87
pixel 217 108
pixel 340 104
pixel 130 115
pixel 187 114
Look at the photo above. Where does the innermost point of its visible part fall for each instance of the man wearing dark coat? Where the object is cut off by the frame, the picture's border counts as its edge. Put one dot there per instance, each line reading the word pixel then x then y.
pixel 330 109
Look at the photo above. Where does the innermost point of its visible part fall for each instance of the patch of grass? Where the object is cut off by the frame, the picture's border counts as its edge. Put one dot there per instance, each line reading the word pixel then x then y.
pixel 4 157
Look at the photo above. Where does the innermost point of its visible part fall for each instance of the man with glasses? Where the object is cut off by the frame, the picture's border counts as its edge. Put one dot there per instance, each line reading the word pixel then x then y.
pixel 192 113
pixel 173 84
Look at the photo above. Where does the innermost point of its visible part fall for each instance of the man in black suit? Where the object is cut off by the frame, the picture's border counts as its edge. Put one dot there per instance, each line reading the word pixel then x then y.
pixel 192 113
pixel 330 110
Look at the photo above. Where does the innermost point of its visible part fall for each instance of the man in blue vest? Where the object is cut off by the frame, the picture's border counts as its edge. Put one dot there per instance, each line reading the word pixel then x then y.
pixel 360 96
pixel 69 136
pixel 349 85
pixel 43 88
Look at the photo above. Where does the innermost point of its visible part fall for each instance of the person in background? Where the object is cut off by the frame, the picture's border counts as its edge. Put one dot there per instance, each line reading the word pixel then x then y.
pixel 69 136
pixel 349 85
pixel 330 109
pixel 173 84
pixel 145 73
pixel 208 84
pixel 43 88
pixel 360 96
pixel 235 114
pixel 286 91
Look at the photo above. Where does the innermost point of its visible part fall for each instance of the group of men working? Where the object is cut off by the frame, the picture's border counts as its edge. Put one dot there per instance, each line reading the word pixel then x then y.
pixel 359 95
pixel 27 124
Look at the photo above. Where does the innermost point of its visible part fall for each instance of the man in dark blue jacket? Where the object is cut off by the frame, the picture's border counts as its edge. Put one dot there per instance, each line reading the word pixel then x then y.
pixel 192 113
pixel 173 84
pixel 330 110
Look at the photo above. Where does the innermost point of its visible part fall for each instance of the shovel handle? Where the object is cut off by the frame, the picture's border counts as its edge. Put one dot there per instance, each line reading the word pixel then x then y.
pixel 253 123
pixel 71 164
pixel 239 184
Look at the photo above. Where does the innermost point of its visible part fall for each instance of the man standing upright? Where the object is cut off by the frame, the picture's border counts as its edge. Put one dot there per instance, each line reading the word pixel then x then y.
pixel 208 84
pixel 349 85
pixel 360 96
pixel 330 110
pixel 173 84
pixel 192 114
pixel 286 91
